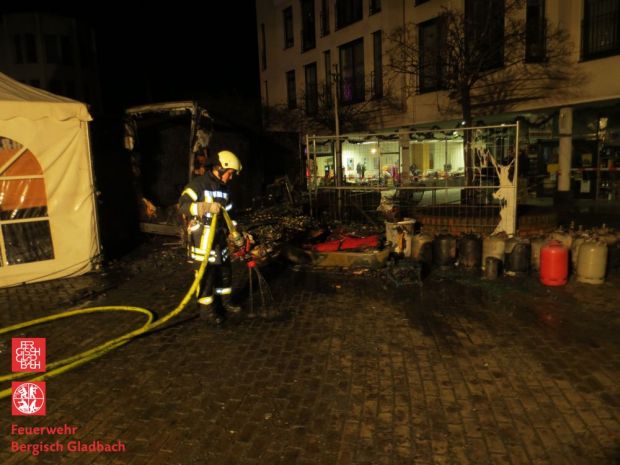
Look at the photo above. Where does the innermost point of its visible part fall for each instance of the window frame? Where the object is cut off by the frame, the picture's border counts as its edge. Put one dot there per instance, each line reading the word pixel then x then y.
pixel 31 53
pixel 308 25
pixel 288 28
pixel 535 34
pixel 588 52
pixel 348 13
pixel 263 50
pixel 490 42
pixel 357 89
pixel 327 65
pixel 377 64
pixel 324 18
pixel 374 7
pixel 437 64
pixel 291 90
pixel 311 95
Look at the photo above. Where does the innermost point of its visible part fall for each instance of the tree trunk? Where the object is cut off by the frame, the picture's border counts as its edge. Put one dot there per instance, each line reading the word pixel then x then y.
pixel 467 137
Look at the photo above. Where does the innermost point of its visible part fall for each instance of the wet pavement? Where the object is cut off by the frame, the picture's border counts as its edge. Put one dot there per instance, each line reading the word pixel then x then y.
pixel 457 370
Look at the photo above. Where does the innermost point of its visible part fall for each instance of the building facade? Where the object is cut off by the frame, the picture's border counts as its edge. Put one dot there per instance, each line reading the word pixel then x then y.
pixel 317 54
pixel 51 52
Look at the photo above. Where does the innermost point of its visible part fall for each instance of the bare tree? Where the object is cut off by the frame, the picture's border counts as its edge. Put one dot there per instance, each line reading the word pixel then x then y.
pixel 485 57
pixel 317 114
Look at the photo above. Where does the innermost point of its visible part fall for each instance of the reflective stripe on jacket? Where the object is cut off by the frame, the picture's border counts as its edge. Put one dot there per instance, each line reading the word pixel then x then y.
pixel 206 188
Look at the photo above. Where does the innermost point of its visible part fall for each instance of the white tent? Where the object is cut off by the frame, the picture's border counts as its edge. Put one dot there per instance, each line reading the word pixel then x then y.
pixel 48 224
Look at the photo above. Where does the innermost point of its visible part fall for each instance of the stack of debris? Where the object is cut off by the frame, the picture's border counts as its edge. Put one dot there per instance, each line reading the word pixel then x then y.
pixel 278 223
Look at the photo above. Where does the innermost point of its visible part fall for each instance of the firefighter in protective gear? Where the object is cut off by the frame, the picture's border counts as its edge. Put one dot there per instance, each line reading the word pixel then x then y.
pixel 203 197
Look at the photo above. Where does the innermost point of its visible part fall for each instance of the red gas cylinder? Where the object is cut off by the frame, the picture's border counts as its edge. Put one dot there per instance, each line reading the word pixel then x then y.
pixel 553 264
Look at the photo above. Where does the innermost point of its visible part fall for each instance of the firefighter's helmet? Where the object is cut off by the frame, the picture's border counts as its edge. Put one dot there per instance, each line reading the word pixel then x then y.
pixel 228 160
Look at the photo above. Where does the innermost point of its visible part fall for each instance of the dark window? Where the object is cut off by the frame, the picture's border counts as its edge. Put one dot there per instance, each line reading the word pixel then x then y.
pixel 31 48
pixel 484 32
pixel 291 90
pixel 70 89
pixel 377 71
pixel 324 17
pixel 17 49
pixel 86 49
pixel 374 6
pixel 419 2
pixel 263 49
pixel 55 86
pixel 535 46
pixel 352 72
pixel 430 55
pixel 312 96
pixel 52 51
pixel 308 34
pixel 348 12
pixel 66 50
pixel 601 28
pixel 86 92
pixel 289 40
pixel 327 61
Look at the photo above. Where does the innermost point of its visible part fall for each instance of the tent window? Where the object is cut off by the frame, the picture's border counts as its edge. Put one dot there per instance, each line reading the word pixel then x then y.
pixel 27 242
pixel 25 234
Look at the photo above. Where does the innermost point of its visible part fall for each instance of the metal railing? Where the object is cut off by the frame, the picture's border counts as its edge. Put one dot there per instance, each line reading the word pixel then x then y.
pixel 457 180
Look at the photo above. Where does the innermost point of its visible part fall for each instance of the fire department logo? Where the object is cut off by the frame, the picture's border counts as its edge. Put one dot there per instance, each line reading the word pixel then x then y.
pixel 28 398
pixel 28 354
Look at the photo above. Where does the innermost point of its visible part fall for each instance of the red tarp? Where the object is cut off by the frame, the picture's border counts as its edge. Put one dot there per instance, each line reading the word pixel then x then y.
pixel 348 243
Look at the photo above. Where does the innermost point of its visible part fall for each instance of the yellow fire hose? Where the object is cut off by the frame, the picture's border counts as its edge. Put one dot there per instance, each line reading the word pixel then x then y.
pixel 61 366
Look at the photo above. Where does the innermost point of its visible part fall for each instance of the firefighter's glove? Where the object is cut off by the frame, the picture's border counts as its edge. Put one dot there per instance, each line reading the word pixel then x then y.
pixel 238 240
pixel 208 207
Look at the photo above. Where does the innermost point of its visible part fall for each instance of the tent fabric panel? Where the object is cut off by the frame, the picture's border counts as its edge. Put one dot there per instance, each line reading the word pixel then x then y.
pixel 22 101
pixel 63 151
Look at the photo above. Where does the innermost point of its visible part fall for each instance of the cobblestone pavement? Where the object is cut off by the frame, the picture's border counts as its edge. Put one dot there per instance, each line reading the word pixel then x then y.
pixel 456 371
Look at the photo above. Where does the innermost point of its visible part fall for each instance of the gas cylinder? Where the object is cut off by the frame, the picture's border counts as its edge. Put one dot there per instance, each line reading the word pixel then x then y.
pixel 553 264
pixel 399 235
pixel 564 237
pixel 574 250
pixel 517 256
pixel 613 254
pixel 536 244
pixel 606 235
pixel 470 251
pixel 592 262
pixel 493 246
pixel 422 248
pixel 492 267
pixel 444 250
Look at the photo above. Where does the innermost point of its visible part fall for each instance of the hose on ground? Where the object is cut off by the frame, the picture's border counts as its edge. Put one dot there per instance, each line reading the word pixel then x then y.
pixel 69 363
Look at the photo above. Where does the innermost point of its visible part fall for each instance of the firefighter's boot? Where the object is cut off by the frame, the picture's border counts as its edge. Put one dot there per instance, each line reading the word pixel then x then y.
pixel 226 299
pixel 229 307
pixel 209 313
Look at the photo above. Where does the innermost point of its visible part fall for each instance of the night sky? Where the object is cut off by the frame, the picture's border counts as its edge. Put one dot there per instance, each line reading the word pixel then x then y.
pixel 174 54
pixel 170 52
